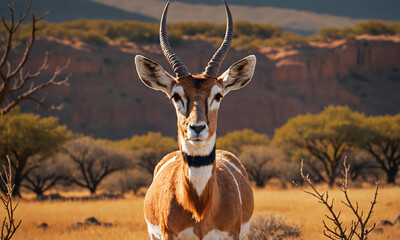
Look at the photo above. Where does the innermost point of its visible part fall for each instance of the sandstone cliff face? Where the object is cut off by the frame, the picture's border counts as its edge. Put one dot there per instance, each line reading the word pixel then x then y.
pixel 106 98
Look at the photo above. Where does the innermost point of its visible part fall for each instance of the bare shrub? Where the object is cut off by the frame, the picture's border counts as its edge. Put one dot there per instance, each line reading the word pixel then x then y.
pixel 92 161
pixel 258 161
pixel 363 167
pixel 358 228
pixel 272 227
pixel 236 141
pixel 126 181
pixel 45 173
pixel 9 225
pixel 149 149
pixel 147 159
pixel 266 162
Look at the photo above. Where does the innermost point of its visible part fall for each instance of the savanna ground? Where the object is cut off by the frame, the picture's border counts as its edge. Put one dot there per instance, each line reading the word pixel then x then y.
pixel 292 204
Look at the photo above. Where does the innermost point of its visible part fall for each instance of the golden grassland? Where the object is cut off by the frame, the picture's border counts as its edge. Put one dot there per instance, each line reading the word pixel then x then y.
pixel 127 214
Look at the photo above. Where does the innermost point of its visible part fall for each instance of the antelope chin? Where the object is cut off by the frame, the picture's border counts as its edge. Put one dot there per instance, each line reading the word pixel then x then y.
pixel 198 146
pixel 196 140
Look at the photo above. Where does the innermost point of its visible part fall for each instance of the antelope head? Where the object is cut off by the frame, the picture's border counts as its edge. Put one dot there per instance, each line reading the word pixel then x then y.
pixel 196 97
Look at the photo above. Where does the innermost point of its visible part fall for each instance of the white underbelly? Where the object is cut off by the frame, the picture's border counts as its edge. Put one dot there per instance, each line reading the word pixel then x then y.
pixel 188 233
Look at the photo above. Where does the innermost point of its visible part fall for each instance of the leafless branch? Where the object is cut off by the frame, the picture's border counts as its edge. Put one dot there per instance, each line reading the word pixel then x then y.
pixel 15 80
pixel 9 225
pixel 358 226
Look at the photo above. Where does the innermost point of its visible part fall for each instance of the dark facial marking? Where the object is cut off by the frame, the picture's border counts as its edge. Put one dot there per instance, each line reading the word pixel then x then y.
pixel 176 97
pixel 218 97
pixel 197 82
pixel 207 112
pixel 187 107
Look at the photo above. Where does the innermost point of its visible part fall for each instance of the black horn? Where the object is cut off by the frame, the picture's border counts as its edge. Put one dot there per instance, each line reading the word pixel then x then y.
pixel 213 66
pixel 174 61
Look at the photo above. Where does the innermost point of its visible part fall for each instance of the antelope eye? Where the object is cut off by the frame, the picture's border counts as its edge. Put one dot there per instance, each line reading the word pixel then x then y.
pixel 218 97
pixel 176 97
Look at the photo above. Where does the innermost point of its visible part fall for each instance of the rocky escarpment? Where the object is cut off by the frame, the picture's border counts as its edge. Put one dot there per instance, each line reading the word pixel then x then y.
pixel 106 98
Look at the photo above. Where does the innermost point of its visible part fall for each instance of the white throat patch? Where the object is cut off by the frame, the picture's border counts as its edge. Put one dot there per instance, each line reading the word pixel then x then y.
pixel 199 177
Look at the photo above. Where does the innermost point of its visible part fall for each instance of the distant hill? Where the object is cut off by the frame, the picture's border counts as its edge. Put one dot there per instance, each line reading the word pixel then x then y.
pixel 303 17
pixel 69 10
pixel 300 22
pixel 371 9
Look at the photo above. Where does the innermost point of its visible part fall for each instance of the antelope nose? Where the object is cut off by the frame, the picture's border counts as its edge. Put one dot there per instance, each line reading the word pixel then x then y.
pixel 197 127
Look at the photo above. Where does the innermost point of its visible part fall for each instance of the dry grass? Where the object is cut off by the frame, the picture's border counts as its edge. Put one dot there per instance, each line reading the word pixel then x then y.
pixel 306 212
pixel 295 206
pixel 271 227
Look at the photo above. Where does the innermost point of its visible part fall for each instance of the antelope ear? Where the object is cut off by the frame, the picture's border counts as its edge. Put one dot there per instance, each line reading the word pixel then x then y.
pixel 153 75
pixel 239 74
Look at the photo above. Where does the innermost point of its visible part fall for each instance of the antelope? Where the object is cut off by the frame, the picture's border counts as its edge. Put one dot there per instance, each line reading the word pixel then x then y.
pixel 197 192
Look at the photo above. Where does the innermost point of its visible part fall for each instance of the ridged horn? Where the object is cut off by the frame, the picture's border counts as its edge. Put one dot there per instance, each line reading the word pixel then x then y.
pixel 214 65
pixel 177 64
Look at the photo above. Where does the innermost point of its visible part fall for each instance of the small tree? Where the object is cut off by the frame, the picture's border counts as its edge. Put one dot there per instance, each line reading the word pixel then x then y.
pixel 24 136
pixel 92 161
pixel 46 174
pixel 125 181
pixel 258 161
pixel 147 159
pixel 17 84
pixel 381 139
pixel 149 149
pixel 236 141
pixel 363 166
pixel 326 136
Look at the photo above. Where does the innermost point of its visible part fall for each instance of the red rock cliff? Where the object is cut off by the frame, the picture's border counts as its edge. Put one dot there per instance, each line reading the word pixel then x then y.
pixel 106 98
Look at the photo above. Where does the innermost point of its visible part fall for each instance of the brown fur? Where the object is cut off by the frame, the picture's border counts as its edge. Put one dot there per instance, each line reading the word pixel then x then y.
pixel 197 89
pixel 189 199
pixel 173 204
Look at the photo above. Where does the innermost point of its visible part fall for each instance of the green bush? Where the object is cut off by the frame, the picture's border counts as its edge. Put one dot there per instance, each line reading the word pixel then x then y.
pixel 331 32
pixel 372 27
pixel 236 141
pixel 377 28
pixel 95 38
pixel 257 30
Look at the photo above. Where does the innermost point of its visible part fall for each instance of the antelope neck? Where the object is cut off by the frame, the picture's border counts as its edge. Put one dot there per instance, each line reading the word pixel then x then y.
pixel 199 161
pixel 199 167
pixel 199 170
